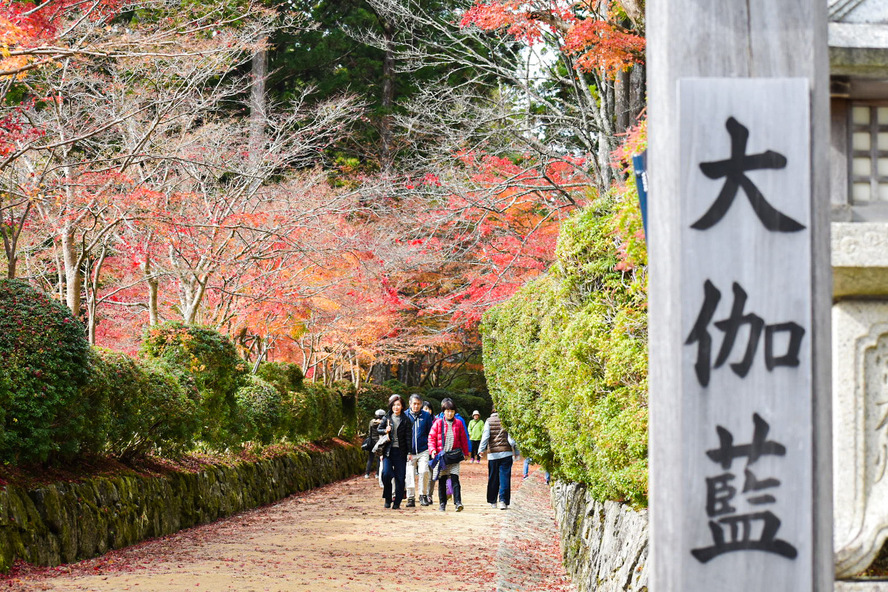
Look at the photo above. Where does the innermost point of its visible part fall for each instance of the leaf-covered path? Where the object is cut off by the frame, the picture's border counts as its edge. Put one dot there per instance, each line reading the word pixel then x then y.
pixel 339 537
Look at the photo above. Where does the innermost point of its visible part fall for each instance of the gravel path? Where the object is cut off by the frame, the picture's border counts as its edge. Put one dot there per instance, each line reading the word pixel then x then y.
pixel 339 537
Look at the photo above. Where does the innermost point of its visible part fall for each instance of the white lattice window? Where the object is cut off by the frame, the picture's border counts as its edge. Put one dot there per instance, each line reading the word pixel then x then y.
pixel 869 153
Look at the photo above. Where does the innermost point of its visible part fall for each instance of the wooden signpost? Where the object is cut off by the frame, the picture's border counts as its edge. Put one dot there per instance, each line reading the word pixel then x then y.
pixel 739 297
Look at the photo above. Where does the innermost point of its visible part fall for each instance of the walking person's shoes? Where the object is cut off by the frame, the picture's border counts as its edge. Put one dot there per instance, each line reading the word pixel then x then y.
pixel 493 506
pixel 502 505
pixel 459 507
pixel 366 476
pixel 388 505
pixel 425 500
pixel 442 507
pixel 411 502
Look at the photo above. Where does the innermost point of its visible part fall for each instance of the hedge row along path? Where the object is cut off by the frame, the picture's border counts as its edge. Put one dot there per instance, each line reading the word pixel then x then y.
pixel 339 537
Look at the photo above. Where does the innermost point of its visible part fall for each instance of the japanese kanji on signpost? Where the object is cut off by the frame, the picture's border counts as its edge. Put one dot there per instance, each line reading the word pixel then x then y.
pixel 765 394
pixel 739 498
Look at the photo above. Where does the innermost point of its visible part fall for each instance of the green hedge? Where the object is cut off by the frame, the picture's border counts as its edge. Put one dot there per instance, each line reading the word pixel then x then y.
pixel 566 357
pixel 152 408
pixel 315 412
pixel 370 397
pixel 262 411
pixel 43 361
pixel 284 376
pixel 60 399
pixel 211 359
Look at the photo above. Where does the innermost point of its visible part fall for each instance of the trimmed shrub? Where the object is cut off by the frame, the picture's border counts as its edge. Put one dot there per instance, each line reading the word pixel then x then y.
pixel 315 412
pixel 370 397
pixel 153 408
pixel 566 357
pixel 349 403
pixel 211 359
pixel 96 396
pixel 5 395
pixel 396 386
pixel 43 356
pixel 284 376
pixel 261 410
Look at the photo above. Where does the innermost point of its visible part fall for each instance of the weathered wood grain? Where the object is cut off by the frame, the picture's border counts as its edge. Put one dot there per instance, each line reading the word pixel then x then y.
pixel 781 39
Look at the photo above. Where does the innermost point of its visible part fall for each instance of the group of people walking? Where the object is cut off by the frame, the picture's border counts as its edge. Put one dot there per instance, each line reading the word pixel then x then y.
pixel 415 445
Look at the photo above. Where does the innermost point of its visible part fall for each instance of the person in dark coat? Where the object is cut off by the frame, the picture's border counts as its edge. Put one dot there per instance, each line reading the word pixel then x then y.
pixel 373 432
pixel 394 455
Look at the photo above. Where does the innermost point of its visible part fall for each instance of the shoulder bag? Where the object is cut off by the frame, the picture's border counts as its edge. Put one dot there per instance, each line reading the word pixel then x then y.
pixel 451 457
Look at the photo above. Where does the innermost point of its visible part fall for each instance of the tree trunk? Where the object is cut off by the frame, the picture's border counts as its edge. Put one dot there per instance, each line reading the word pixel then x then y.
pixel 380 372
pixel 192 297
pixel 151 280
pixel 638 92
pixel 606 138
pixel 257 104
pixel 386 156
pixel 60 271
pixel 92 296
pixel 11 233
pixel 356 369
pixel 622 102
pixel 73 279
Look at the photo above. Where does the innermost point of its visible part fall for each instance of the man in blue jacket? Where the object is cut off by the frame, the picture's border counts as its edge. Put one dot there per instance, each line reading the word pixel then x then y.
pixel 418 459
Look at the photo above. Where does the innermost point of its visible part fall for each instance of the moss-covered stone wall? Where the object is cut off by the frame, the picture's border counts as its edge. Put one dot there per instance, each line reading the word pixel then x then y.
pixel 66 522
pixel 604 546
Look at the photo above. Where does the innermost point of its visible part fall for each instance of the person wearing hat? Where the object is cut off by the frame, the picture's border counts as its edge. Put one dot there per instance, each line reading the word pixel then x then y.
pixel 476 432
pixel 394 454
pixel 374 438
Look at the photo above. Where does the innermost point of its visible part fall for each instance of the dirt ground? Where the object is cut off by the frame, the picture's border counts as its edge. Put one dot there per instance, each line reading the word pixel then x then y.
pixel 339 537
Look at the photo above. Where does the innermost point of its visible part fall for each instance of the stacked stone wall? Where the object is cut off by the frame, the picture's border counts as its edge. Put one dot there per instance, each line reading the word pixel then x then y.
pixel 66 522
pixel 604 545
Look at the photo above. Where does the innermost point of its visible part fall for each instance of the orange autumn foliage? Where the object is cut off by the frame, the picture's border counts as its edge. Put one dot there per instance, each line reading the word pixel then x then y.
pixel 598 42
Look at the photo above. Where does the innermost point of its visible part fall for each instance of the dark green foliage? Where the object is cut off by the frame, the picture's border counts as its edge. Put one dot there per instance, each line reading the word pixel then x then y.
pixel 396 386
pixel 211 359
pixel 5 395
pixel 284 376
pixel 370 397
pixel 466 401
pixel 152 408
pixel 315 412
pixel 262 411
pixel 328 59
pixel 566 359
pixel 43 356
pixel 96 396
pixel 348 399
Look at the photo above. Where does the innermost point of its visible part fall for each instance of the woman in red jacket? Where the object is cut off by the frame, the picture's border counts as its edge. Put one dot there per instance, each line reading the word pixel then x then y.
pixel 448 434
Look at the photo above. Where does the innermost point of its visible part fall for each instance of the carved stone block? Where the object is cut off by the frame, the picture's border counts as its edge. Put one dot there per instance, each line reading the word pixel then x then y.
pixel 860 432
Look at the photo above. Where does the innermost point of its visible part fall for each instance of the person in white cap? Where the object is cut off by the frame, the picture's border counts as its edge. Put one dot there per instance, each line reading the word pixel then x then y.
pixel 476 432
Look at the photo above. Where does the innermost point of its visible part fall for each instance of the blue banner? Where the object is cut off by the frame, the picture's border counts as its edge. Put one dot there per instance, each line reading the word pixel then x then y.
pixel 639 163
